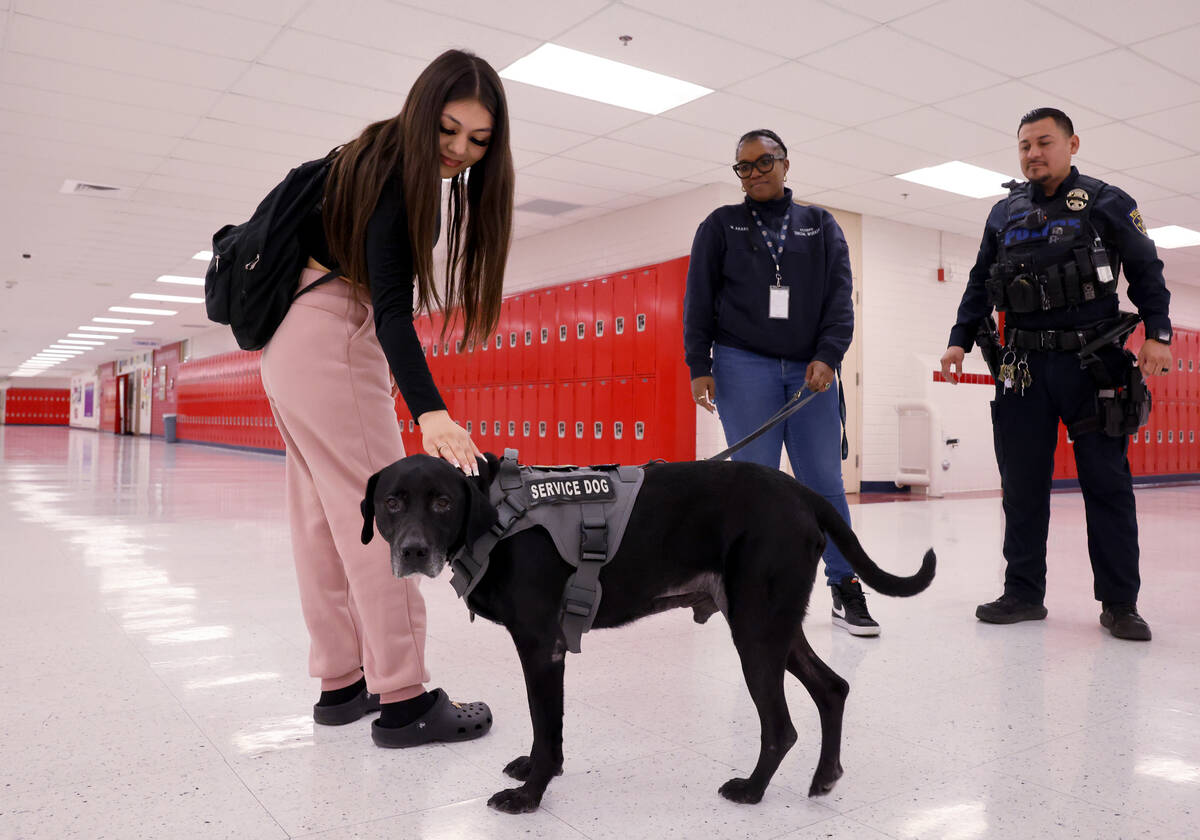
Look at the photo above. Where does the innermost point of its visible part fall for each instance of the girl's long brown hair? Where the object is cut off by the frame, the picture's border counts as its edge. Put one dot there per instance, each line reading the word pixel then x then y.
pixel 408 145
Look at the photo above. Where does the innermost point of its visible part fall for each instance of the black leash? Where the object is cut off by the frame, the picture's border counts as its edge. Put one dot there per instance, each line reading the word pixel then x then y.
pixel 790 407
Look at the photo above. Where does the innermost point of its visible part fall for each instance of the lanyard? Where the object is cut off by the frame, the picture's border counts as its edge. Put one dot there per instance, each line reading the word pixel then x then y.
pixel 774 252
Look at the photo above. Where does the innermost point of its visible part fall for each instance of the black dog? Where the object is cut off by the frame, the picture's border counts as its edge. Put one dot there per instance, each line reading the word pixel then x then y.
pixel 730 536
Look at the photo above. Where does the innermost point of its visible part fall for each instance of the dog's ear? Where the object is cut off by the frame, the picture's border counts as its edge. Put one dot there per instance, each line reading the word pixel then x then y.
pixel 479 515
pixel 367 506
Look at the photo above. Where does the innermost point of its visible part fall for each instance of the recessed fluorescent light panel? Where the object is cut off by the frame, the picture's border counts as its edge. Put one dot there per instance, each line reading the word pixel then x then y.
pixel 959 178
pixel 166 298
pixel 1174 236
pixel 183 281
pixel 201 255
pixel 105 329
pixel 122 321
pixel 97 338
pixel 78 341
pixel 601 80
pixel 133 310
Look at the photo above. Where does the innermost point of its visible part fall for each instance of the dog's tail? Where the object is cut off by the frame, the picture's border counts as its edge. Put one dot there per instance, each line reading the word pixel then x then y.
pixel 882 582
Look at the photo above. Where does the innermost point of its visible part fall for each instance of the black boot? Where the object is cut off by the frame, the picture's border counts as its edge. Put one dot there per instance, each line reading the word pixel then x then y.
pixel 1123 621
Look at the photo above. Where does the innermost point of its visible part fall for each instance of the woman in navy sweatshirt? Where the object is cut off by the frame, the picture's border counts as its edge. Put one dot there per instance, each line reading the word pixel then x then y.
pixel 768 310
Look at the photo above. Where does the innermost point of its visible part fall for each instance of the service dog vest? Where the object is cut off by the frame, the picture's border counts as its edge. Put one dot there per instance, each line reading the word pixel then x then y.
pixel 583 509
pixel 1049 256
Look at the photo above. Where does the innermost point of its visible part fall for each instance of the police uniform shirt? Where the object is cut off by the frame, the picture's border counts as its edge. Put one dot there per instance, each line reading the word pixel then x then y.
pixel 1115 218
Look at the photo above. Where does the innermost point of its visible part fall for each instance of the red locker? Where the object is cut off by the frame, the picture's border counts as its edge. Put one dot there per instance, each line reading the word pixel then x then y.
pixel 564 422
pixel 529 337
pixel 645 444
pixel 645 323
pixel 1193 444
pixel 437 365
pixel 582 422
pixel 602 422
pixel 564 321
pixel 1136 454
pixel 1173 425
pixel 500 344
pixel 547 339
pixel 500 435
pixel 458 405
pixel 545 430
pixel 1191 347
pixel 1156 448
pixel 470 420
pixel 623 314
pixel 1060 454
pixel 486 438
pixel 602 338
pixel 530 453
pixel 622 414
pixel 584 316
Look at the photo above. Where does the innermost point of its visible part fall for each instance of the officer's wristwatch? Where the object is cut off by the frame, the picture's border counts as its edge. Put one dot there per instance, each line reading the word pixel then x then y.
pixel 1162 335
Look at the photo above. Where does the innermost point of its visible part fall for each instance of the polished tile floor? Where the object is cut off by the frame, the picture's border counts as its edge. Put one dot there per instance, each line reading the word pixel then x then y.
pixel 154 685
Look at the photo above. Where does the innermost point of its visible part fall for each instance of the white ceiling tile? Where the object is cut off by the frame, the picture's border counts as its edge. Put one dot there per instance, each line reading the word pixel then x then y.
pixel 299 147
pixel 235 158
pixel 32 36
pixel 1001 107
pixel 624 202
pixel 252 190
pixel 51 128
pixel 1138 189
pixel 884 11
pixel 936 221
pixel 1120 83
pixel 936 131
pixel 538 187
pixel 535 18
pixel 1179 125
pixel 1008 40
pixel 973 210
pixel 534 137
pixel 1003 161
pixel 270 11
pixel 275 84
pixel 796 28
pixel 739 115
pixel 592 175
pixel 305 52
pixel 1126 22
pixel 228 208
pixel 903 194
pixel 807 90
pixel 666 47
pixel 1182 176
pixel 294 119
pixel 1177 51
pixel 75 154
pixel 1119 146
pixel 906 67
pixel 95 112
pixel 822 172
pixel 661 163
pixel 522 158
pixel 547 107
pixel 717 175
pixel 151 21
pixel 220 173
pixel 838 200
pixel 677 137
pixel 1178 210
pixel 668 189
pixel 869 152
pixel 104 85
pixel 427 34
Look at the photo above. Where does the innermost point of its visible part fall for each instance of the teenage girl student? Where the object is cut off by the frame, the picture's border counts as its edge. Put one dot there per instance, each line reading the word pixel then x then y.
pixel 326 372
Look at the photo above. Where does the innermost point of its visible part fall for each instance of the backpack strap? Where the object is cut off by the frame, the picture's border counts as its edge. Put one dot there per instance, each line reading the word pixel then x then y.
pixel 325 278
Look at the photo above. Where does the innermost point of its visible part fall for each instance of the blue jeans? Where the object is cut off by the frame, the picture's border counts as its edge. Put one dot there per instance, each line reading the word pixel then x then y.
pixel 750 388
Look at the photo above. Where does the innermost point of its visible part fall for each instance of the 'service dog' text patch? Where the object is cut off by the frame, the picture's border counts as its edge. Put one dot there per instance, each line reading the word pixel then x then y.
pixel 570 487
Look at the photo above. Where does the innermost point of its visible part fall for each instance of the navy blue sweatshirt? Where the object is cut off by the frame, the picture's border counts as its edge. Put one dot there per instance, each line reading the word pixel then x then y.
pixel 1119 226
pixel 730 274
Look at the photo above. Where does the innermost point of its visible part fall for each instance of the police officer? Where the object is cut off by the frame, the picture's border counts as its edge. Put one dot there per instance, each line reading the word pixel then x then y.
pixel 1050 256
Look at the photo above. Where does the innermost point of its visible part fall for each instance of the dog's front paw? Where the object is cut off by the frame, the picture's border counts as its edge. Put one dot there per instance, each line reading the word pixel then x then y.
pixel 515 801
pixel 519 768
pixel 742 791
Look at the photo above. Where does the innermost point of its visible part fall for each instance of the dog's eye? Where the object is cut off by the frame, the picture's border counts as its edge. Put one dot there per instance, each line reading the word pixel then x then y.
pixel 392 504
pixel 441 504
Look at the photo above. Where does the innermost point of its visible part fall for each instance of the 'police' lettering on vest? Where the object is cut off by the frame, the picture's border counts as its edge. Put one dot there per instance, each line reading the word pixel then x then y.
pixel 573 487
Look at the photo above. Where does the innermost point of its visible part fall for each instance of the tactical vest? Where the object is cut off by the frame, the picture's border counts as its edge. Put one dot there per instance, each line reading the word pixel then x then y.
pixel 583 509
pixel 1049 256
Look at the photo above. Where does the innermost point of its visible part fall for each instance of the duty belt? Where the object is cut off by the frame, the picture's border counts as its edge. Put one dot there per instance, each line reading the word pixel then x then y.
pixel 1068 341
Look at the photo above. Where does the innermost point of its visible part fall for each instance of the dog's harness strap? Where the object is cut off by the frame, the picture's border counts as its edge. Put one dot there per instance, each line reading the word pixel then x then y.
pixel 581 598
pixel 468 570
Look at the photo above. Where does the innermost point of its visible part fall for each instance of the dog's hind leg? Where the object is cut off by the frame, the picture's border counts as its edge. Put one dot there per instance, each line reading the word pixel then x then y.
pixel 542 658
pixel 829 692
pixel 762 653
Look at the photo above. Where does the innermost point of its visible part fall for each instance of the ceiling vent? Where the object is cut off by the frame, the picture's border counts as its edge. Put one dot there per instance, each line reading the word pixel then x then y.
pixel 87 188
pixel 546 207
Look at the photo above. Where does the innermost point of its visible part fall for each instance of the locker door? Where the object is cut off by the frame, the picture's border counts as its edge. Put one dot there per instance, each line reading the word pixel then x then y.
pixel 1060 454
pixel 486 410
pixel 622 413
pixel 623 325
pixel 530 451
pixel 1191 347
pixel 545 422
pixel 1155 450
pixel 516 321
pixel 583 422
pixel 437 359
pixel 564 419
pixel 1173 434
pixel 584 343
pixel 644 420
pixel 564 342
pixel 602 337
pixel 485 358
pixel 546 338
pixel 645 298
pixel 529 337
pixel 603 450
pixel 470 363
pixel 500 343
pixel 500 418
pixel 458 405
pixel 458 356
pixel 1136 454
pixel 1193 444
pixel 470 420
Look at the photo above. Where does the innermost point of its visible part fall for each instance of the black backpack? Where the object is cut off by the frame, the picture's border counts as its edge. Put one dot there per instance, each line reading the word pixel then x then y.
pixel 252 276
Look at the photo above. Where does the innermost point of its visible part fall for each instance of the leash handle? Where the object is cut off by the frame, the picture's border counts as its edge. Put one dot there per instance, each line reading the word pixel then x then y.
pixel 790 407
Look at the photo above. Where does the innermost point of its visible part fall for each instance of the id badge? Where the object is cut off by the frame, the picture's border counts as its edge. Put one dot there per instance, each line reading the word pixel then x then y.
pixel 779 302
pixel 1105 274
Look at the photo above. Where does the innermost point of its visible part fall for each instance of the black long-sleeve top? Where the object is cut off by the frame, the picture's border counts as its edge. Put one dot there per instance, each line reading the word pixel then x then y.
pixel 1118 224
pixel 730 273
pixel 390 279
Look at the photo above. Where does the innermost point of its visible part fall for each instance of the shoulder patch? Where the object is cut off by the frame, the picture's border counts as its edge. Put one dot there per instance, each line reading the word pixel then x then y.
pixel 1135 216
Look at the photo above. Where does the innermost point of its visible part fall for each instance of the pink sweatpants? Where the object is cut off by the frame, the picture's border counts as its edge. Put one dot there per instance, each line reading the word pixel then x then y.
pixel 330 392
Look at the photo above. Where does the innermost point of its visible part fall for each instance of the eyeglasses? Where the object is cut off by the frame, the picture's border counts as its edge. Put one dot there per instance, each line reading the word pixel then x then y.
pixel 764 165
